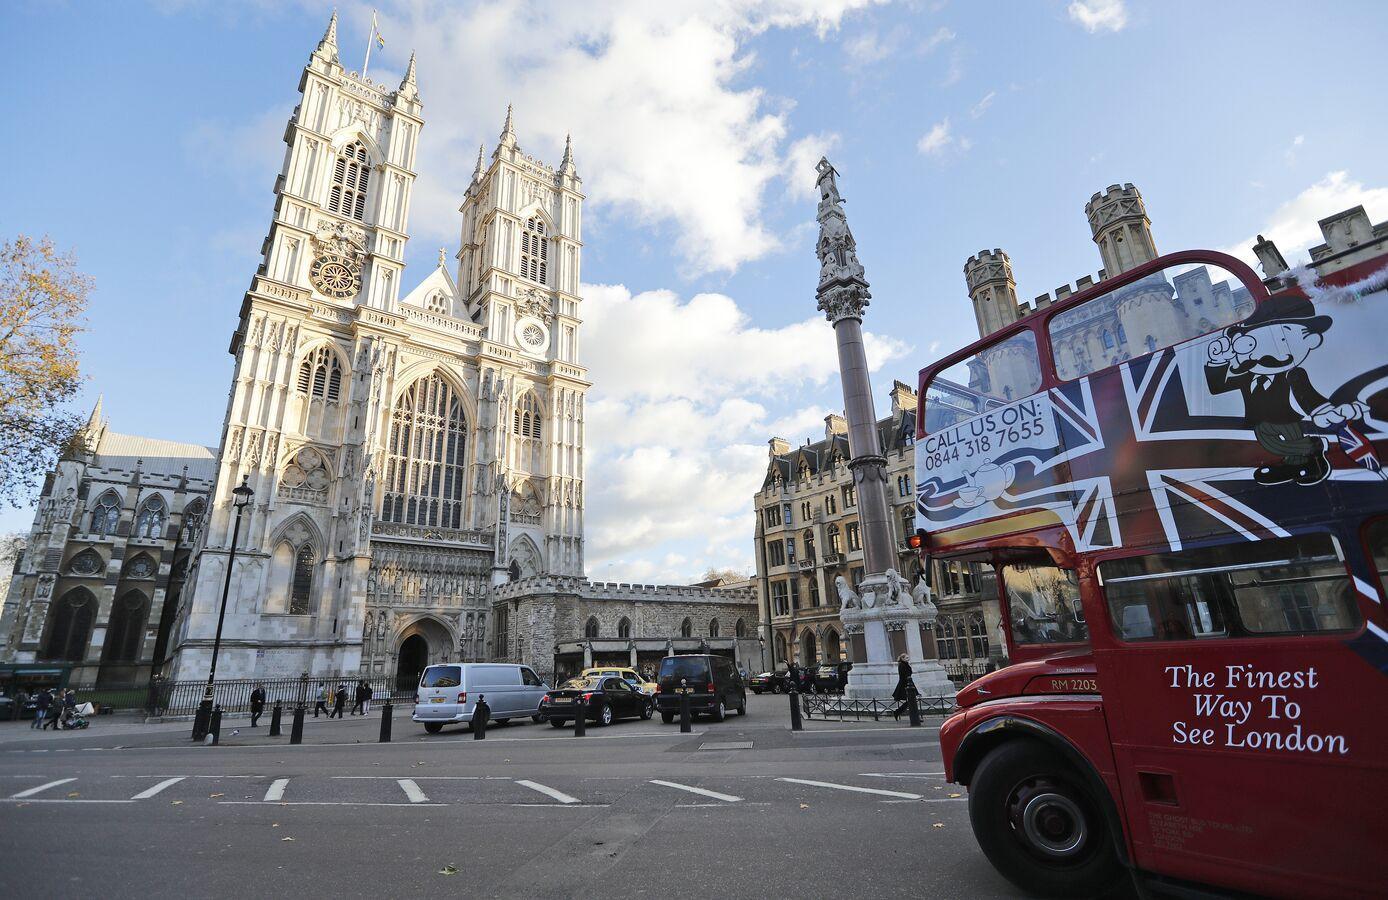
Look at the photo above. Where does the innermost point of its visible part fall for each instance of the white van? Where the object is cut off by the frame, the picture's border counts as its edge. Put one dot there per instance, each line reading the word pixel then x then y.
pixel 448 693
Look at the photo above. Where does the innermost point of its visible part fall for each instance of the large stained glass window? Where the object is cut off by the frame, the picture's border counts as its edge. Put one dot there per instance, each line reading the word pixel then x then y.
pixel 425 468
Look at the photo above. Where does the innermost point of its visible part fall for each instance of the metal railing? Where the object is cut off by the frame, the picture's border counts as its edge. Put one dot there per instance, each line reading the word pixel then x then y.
pixel 179 698
pixel 840 708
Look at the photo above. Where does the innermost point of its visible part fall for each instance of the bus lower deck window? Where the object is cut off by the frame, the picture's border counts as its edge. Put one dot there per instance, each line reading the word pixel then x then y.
pixel 1286 586
pixel 1044 604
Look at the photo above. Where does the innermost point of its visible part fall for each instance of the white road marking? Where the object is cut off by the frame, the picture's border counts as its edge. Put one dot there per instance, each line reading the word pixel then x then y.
pixel 412 790
pixel 548 791
pixel 276 791
pixel 901 774
pixel 151 791
pixel 324 803
pixel 728 798
pixel 426 777
pixel 55 800
pixel 850 787
pixel 41 788
pixel 560 806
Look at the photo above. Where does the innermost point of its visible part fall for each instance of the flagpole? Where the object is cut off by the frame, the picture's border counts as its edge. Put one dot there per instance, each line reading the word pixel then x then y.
pixel 371 39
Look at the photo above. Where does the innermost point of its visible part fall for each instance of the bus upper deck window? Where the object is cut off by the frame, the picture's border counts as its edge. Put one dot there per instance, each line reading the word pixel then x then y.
pixel 1006 370
pixel 1176 303
pixel 1286 586
pixel 1044 604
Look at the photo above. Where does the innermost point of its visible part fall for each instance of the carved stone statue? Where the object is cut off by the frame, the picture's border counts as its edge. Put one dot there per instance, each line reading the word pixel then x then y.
pixel 847 599
pixel 897 588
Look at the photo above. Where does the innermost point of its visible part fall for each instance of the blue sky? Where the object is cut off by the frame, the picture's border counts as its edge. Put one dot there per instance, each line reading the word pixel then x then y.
pixel 147 139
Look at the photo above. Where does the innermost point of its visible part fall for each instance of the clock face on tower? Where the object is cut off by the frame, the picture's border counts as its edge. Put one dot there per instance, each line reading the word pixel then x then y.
pixel 532 335
pixel 336 276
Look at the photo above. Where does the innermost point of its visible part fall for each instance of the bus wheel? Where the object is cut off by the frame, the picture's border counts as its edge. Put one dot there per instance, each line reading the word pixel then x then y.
pixel 1038 825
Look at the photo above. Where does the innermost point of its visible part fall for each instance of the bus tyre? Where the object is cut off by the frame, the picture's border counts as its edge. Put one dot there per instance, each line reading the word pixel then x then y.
pixel 1038 824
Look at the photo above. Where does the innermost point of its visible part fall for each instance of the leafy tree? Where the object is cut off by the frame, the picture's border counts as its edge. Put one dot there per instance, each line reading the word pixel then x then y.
pixel 724 575
pixel 42 299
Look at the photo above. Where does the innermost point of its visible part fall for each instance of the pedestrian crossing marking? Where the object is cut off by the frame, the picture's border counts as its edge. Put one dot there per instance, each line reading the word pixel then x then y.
pixel 729 798
pixel 276 791
pixel 548 791
pixel 851 787
pixel 412 791
pixel 151 791
pixel 40 789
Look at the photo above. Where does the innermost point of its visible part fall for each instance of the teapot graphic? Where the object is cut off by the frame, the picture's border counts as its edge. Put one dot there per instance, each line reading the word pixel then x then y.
pixel 986 483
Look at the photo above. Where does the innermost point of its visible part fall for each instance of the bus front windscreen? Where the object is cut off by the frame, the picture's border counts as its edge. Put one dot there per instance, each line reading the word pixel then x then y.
pixel 1044 604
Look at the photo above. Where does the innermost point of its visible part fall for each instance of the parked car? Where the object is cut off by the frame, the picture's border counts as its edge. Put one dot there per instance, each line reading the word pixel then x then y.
pixel 630 676
pixel 608 698
pixel 711 682
pixel 774 682
pixel 448 693
pixel 830 678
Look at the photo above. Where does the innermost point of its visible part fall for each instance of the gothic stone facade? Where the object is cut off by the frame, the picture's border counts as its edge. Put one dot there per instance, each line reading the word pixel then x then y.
pixel 808 534
pixel 106 557
pixel 407 448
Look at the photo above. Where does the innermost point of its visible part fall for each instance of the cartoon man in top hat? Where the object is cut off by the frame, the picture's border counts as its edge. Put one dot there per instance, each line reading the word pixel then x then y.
pixel 1261 357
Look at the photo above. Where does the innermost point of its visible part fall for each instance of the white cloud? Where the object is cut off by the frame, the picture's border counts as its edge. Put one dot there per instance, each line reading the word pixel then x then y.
pixel 1290 153
pixel 982 105
pixel 941 139
pixel 675 447
pixel 939 36
pixel 664 129
pixel 956 69
pixel 1098 15
pixel 1293 225
pixel 800 162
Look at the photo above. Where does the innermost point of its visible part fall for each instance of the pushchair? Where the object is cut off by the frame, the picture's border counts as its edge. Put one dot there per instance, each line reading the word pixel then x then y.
pixel 77 716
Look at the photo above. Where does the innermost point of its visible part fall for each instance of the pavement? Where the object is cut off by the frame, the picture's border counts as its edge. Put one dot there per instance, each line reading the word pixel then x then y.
pixel 741 808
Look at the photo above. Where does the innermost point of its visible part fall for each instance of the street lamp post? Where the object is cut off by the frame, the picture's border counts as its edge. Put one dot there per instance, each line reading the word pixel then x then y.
pixel 201 720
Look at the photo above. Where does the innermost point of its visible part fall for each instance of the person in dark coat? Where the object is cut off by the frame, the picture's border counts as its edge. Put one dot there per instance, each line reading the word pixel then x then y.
pixel 257 704
pixel 42 701
pixel 792 676
pixel 362 695
pixel 905 687
pixel 339 701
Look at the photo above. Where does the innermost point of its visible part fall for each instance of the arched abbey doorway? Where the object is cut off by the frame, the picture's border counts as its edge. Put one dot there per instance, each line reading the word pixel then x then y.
pixel 414 656
pixel 808 656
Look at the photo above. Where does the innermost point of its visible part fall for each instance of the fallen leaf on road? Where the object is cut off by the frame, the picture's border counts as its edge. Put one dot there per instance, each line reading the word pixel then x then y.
pixel 804 806
pixel 274 824
pixel 286 839
pixel 449 870
pixel 74 794
pixel 178 803
pixel 956 795
pixel 215 796
pixel 937 825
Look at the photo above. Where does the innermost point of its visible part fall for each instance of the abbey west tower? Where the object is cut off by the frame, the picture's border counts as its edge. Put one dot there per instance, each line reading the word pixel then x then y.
pixel 407 450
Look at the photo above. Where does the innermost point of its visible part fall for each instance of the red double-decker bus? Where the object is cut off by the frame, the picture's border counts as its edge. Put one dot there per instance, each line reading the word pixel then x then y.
pixel 1190 539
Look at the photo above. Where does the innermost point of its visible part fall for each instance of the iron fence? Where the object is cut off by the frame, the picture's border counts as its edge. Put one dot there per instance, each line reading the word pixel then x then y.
pixel 180 698
pixel 835 706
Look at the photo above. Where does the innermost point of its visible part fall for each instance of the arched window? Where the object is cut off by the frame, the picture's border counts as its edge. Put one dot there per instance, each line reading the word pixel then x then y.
pixel 436 303
pixel 106 515
pixel 534 250
pixel 1122 335
pixel 1108 340
pixel 86 563
pixel 686 628
pixel 350 177
pixel 624 628
pixel 70 625
pixel 739 628
pixel 1151 343
pixel 908 522
pixel 514 571
pixel 526 418
pixel 192 521
pixel 425 469
pixel 125 633
pixel 301 584
pixel 320 375
pixel 149 521
pixel 713 628
pixel 835 540
pixel 944 639
pixel 590 628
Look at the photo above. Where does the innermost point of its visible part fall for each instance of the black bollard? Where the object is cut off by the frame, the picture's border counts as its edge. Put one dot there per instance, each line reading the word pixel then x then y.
pixel 480 713
pixel 580 716
pixel 296 732
pixel 386 711
pixel 685 726
pixel 215 728
pixel 275 715
pixel 795 723
pixel 913 708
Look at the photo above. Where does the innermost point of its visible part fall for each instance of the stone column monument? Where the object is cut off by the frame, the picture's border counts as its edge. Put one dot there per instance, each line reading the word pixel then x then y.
pixel 884 618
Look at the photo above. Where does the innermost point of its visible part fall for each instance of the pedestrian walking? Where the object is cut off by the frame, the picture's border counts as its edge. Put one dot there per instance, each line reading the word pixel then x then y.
pixel 792 676
pixel 321 702
pixel 366 703
pixel 359 700
pixel 55 710
pixel 41 703
pixel 905 687
pixel 257 704
pixel 69 706
pixel 339 701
